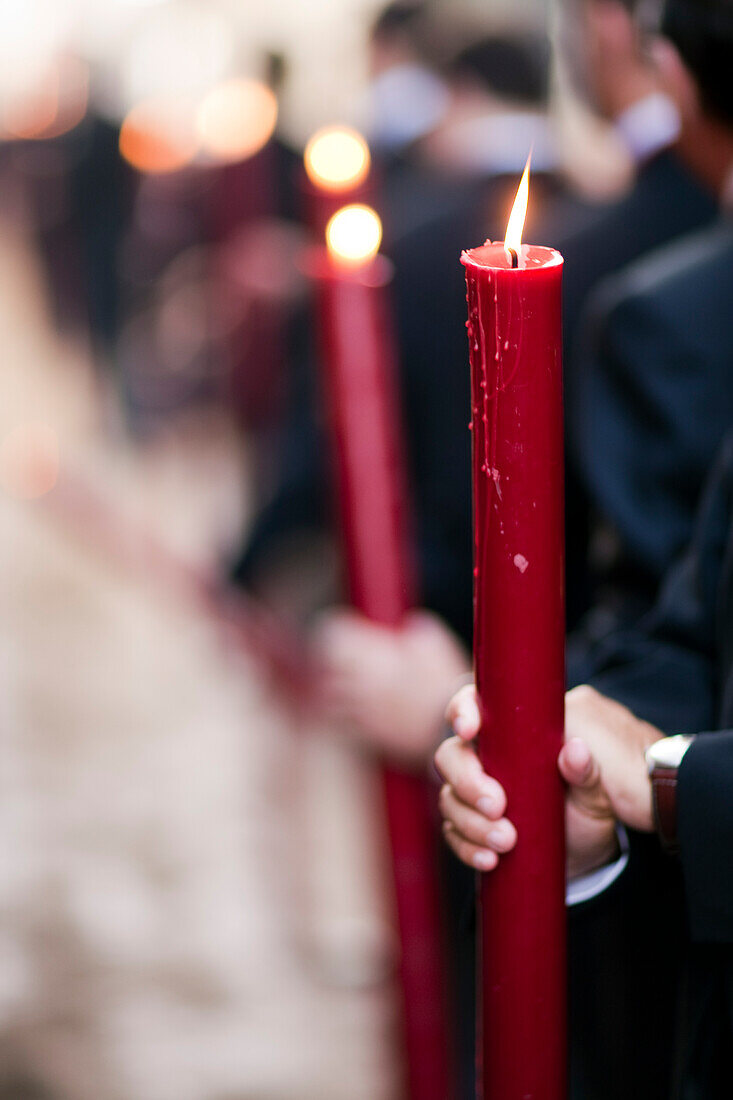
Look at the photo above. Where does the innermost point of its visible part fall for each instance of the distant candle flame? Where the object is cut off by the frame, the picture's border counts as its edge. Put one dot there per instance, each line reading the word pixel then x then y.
pixel 515 225
pixel 337 158
pixel 158 136
pixel 354 234
pixel 236 119
pixel 29 461
pixel 54 104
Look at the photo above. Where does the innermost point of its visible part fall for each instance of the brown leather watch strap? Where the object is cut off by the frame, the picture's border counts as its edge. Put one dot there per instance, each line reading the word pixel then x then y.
pixel 664 800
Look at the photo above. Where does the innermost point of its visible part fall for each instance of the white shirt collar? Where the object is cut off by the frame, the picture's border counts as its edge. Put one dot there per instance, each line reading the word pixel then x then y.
pixel 649 125
pixel 403 103
pixel 498 143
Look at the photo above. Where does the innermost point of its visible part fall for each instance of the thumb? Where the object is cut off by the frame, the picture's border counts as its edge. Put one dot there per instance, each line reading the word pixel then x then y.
pixel 578 766
pixel 463 713
pixel 581 771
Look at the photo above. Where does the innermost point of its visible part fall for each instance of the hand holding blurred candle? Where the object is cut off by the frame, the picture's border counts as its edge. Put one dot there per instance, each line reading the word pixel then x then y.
pixel 389 687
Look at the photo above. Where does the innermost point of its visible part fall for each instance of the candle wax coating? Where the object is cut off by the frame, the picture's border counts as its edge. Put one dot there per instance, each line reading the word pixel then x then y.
pixel 514 332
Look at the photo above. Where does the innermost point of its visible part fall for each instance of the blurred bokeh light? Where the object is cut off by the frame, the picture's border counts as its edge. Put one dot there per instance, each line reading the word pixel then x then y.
pixel 337 158
pixel 236 119
pixel 53 105
pixel 29 461
pixel 354 234
pixel 159 135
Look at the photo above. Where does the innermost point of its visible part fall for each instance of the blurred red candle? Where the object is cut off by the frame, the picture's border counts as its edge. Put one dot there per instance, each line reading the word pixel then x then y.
pixel 360 389
pixel 514 335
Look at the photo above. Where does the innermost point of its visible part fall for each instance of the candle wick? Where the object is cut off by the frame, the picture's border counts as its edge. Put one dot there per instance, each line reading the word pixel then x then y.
pixel 515 257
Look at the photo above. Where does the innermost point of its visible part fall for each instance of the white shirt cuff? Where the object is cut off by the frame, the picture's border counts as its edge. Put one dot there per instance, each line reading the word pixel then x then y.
pixel 649 125
pixel 590 886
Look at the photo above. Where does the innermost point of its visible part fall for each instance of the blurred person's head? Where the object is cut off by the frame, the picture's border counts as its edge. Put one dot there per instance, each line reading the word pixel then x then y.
pixel 499 87
pixel 395 37
pixel 694 57
pixel 406 97
pixel 510 69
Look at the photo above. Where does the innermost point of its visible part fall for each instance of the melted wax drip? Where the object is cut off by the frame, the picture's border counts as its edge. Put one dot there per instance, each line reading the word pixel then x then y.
pixel 493 374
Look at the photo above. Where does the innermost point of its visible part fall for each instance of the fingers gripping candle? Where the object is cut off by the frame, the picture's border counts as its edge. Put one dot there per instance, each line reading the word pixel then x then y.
pixel 514 330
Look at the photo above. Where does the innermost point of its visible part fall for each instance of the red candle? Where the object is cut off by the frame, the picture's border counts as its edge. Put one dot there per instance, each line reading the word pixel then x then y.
pixel 360 391
pixel 519 635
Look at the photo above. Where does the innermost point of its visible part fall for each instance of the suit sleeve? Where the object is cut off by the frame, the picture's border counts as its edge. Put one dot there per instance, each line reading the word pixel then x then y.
pixel 665 669
pixel 705 827
pixel 652 401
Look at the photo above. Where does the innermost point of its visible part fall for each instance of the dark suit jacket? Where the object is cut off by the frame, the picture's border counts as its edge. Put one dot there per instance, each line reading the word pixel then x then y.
pixel 653 397
pixel 665 203
pixel 675 669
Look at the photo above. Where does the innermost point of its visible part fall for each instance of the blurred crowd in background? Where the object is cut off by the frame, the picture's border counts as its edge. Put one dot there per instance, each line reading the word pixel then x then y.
pixel 192 893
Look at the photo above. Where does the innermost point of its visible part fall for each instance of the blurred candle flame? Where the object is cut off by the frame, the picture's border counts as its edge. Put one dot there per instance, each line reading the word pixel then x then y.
pixel 337 158
pixel 29 461
pixel 353 235
pixel 236 119
pixel 515 225
pixel 158 136
pixel 34 114
pixel 55 103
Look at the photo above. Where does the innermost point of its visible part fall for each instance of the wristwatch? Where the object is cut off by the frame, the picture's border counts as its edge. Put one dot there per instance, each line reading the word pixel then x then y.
pixel 663 759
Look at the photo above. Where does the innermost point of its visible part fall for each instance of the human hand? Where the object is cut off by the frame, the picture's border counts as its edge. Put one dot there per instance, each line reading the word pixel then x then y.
pixel 470 801
pixel 620 72
pixel 389 686
pixel 618 740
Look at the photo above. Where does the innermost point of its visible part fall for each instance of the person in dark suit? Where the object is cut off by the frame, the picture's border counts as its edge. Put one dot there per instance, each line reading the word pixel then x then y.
pixel 609 48
pixel 634 374
pixel 668 200
pixel 614 68
pixel 649 747
pixel 653 402
pixel 405 96
pixel 655 318
pixel 649 400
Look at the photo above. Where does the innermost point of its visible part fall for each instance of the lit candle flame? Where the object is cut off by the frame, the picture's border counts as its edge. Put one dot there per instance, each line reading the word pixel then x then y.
pixel 29 461
pixel 515 225
pixel 52 105
pixel 353 235
pixel 337 158
pixel 236 119
pixel 159 136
